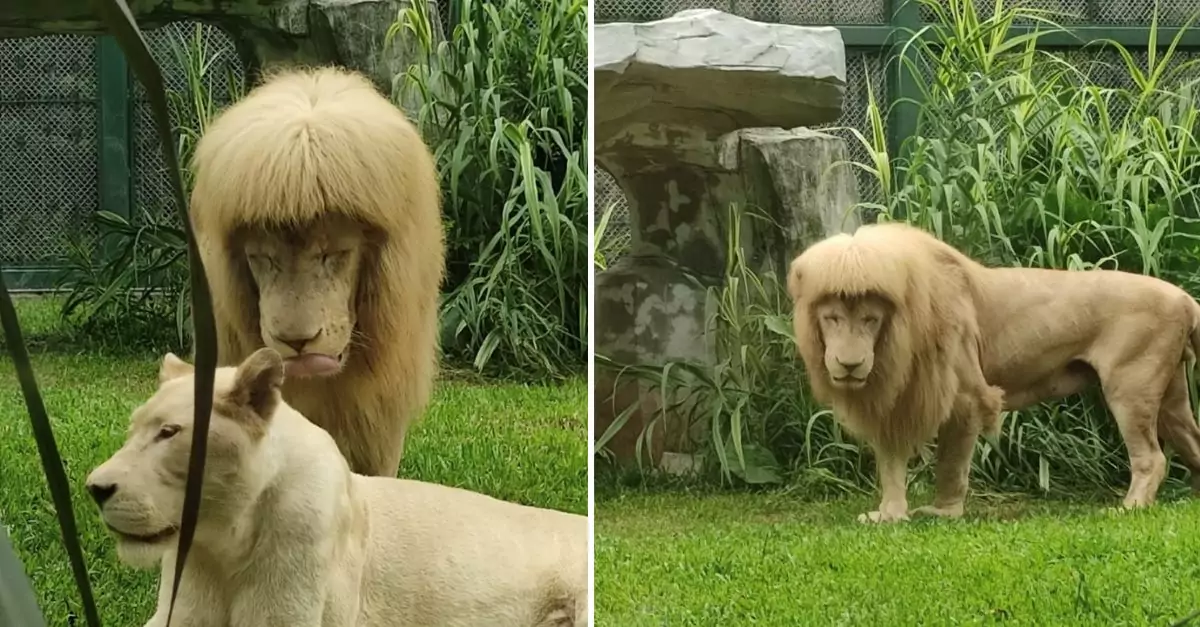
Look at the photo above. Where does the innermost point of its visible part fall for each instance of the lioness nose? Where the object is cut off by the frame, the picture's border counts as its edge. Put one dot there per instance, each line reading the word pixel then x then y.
pixel 101 492
pixel 850 365
pixel 298 343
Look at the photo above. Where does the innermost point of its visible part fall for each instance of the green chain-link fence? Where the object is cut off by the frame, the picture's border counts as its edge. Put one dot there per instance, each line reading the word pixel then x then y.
pixel 76 136
pixel 49 130
pixel 868 28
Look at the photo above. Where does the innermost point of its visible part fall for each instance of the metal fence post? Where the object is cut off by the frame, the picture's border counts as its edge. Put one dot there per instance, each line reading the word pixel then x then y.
pixel 904 92
pixel 114 127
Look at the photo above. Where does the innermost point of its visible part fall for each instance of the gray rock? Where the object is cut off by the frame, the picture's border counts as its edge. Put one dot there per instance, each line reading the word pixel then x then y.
pixel 690 119
pixel 717 70
pixel 349 33
pixel 803 180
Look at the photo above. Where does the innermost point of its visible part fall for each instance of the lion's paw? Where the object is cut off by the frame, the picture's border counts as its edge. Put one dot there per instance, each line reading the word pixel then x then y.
pixel 881 517
pixel 1124 509
pixel 939 512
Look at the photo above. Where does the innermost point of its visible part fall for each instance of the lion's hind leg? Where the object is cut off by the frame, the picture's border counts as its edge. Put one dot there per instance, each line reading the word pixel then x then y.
pixel 1178 427
pixel 1134 402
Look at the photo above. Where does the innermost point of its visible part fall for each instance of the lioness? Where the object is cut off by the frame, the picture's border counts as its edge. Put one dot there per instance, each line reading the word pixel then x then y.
pixel 288 536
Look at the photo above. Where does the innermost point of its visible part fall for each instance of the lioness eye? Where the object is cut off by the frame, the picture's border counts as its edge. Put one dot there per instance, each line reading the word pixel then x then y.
pixel 166 432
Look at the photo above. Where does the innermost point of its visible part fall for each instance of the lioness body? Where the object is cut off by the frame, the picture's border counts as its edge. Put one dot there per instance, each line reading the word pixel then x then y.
pixel 316 211
pixel 1043 335
pixel 288 535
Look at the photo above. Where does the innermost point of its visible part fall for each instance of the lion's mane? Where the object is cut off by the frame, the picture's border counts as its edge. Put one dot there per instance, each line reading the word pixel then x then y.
pixel 304 143
pixel 913 384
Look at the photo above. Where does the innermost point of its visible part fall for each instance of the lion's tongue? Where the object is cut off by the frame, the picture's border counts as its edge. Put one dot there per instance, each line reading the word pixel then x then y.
pixel 311 366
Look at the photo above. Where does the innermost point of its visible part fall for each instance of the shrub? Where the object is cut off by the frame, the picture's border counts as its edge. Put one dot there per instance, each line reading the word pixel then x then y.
pixel 504 107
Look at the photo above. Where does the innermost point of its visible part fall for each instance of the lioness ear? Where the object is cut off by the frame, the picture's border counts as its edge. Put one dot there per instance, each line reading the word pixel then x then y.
pixel 172 368
pixel 257 381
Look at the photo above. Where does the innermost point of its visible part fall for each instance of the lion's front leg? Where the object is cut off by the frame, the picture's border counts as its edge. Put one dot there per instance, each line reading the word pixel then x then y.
pixel 893 485
pixel 956 444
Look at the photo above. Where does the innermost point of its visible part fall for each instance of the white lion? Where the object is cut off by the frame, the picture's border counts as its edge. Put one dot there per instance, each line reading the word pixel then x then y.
pixel 289 536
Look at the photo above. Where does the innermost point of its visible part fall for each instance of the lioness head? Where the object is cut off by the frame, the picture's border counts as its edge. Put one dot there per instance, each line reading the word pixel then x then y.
pixel 140 489
pixel 307 281
pixel 850 328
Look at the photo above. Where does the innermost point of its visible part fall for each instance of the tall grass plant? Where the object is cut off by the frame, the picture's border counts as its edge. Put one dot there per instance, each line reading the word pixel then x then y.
pixel 504 106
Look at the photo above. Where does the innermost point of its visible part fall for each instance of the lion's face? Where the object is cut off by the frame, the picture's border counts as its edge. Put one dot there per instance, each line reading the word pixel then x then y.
pixel 140 489
pixel 307 281
pixel 849 329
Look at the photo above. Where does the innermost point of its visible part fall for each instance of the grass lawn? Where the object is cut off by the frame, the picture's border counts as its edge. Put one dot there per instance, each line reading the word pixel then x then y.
pixel 771 559
pixel 522 443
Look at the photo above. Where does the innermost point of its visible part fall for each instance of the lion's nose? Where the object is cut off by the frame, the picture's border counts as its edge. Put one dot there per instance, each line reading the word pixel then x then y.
pixel 101 492
pixel 850 365
pixel 296 342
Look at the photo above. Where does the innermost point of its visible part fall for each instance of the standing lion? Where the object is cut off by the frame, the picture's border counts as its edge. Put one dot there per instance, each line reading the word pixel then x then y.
pixel 1043 335
pixel 888 337
pixel 317 214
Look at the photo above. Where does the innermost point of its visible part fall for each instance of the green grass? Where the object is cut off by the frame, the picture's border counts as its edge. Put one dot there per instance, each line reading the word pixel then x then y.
pixel 521 443
pixel 771 559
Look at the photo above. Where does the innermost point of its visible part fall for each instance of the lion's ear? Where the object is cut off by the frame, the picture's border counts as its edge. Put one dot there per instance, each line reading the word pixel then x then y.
pixel 257 381
pixel 793 279
pixel 172 368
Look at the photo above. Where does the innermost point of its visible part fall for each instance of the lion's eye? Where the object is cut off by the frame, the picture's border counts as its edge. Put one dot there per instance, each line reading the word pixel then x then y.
pixel 870 320
pixel 334 256
pixel 262 262
pixel 166 432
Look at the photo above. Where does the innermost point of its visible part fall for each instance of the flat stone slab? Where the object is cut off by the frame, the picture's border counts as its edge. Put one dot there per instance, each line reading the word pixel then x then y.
pixel 309 32
pixel 718 71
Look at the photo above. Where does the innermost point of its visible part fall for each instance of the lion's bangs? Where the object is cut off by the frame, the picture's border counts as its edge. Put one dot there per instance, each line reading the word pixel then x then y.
pixel 307 144
pixel 852 268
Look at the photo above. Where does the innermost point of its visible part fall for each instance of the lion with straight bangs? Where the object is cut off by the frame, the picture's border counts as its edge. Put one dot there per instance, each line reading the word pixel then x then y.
pixel 1042 335
pixel 316 209
pixel 888 338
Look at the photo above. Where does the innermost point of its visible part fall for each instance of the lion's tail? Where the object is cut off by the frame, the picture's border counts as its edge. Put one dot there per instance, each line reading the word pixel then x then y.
pixel 993 411
pixel 1195 334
